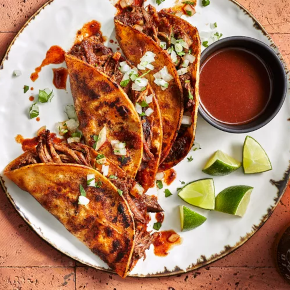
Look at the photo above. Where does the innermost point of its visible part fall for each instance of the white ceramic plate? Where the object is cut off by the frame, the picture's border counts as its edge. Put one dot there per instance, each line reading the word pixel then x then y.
pixel 56 24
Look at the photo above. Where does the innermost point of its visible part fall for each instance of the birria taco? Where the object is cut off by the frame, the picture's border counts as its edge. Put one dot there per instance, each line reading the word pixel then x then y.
pixel 139 29
pixel 128 79
pixel 106 212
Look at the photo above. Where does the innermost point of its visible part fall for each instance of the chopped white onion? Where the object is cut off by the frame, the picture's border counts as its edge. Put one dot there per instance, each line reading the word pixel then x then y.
pixel 72 124
pixel 189 8
pixel 83 200
pixel 142 82
pixel 162 44
pixel 71 112
pixel 114 142
pixel 17 73
pixel 165 74
pixel 159 176
pixel 61 128
pixel 120 145
pixel 178 47
pixel 136 87
pixel 126 3
pixel 182 71
pixel 162 83
pixel 186 120
pixel 138 108
pixel 105 170
pixel 91 181
pixel 73 139
pixel 173 40
pixel 124 68
pixel 189 57
pixel 122 152
pixel 102 161
pixel 148 112
pixel 185 63
pixel 173 56
pixel 145 61
pixel 150 66
pixel 149 99
pixel 122 63
pixel 102 138
pixel 138 188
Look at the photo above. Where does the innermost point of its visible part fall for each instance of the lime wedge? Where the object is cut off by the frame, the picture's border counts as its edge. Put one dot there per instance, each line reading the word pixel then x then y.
pixel 190 219
pixel 234 200
pixel 199 193
pixel 221 164
pixel 255 159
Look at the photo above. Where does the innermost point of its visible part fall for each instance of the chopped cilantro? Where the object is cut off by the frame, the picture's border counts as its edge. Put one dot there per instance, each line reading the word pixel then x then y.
pixel 218 35
pixel 147 72
pixel 205 43
pixel 189 13
pixel 25 89
pixel 190 96
pixel 205 2
pixel 99 183
pixel 189 159
pixel 77 134
pixel 181 53
pixel 159 1
pixel 113 177
pixel 182 182
pixel 157 226
pixel 144 104
pixel 96 138
pixel 167 192
pixel 44 97
pixel 90 180
pixel 120 192
pixel 100 156
pixel 124 83
pixel 189 2
pixel 142 114
pixel 215 25
pixel 159 184
pixel 33 111
pixel 82 191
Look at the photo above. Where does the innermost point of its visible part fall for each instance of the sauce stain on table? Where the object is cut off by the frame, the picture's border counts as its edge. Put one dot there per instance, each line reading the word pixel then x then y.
pixel 60 77
pixel 169 176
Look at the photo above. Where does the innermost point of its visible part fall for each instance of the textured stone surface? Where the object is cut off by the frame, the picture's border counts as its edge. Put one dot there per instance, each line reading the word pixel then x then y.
pixel 27 262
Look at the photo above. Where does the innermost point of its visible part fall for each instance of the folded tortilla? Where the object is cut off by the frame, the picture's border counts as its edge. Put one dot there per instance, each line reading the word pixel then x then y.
pixel 113 224
pixel 91 51
pixel 138 30
pixel 100 102
pixel 134 45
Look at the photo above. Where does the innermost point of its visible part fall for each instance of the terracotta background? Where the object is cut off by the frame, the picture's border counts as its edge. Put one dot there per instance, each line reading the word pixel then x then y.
pixel 27 262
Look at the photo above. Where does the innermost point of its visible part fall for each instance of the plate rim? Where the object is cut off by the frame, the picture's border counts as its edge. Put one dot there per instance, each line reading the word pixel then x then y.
pixel 202 261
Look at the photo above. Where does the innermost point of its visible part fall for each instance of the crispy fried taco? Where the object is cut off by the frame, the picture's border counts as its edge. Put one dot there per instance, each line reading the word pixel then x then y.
pixel 180 42
pixel 107 117
pixel 106 213
pixel 132 81
pixel 146 54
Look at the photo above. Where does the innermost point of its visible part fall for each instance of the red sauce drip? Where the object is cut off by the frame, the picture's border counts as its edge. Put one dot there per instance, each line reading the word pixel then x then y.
pixel 111 41
pixel 234 86
pixel 89 29
pixel 60 77
pixel 159 217
pixel 165 241
pixel 30 144
pixel 118 48
pixel 37 119
pixel 169 176
pixel 31 98
pixel 55 55
pixel 32 88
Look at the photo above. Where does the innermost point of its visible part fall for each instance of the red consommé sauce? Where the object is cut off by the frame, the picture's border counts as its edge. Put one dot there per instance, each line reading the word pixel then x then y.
pixel 235 86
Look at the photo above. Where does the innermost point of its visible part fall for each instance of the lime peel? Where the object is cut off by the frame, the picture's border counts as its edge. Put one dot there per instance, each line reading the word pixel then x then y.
pixel 190 219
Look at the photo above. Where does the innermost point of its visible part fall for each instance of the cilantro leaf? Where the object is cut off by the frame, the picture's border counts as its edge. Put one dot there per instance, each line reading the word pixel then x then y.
pixel 77 134
pixel 113 177
pixel 190 96
pixel 144 104
pixel 189 2
pixel 33 111
pixel 205 2
pixel 189 13
pixel 167 192
pixel 189 159
pixel 159 1
pixel 124 83
pixel 43 96
pixel 90 180
pixel 159 184
pixel 205 43
pixel 157 226
pixel 99 183
pixel 120 192
pixel 142 114
pixel 25 89
pixel 100 156
pixel 82 191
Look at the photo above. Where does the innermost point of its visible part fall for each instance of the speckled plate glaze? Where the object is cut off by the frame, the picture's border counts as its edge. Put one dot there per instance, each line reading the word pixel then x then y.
pixel 56 24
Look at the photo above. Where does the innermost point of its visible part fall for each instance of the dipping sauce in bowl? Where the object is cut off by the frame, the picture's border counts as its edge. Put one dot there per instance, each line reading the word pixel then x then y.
pixel 242 84
pixel 235 86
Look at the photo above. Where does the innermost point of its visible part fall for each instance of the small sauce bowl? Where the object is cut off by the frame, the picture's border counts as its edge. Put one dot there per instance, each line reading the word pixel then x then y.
pixel 222 102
